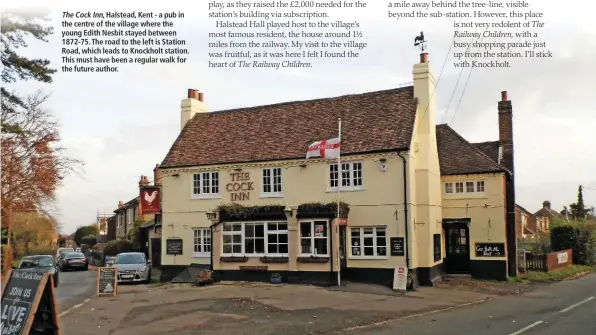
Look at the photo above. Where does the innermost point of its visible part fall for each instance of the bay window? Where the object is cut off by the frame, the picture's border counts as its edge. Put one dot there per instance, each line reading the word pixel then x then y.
pixel 314 238
pixel 255 239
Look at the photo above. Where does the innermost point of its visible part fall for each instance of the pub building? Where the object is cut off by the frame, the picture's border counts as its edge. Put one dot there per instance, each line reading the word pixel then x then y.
pixel 239 195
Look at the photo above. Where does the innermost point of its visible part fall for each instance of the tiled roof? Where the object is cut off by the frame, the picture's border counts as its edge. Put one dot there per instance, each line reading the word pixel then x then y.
pixel 547 212
pixel 458 156
pixel 491 149
pixel 375 121
pixel 525 211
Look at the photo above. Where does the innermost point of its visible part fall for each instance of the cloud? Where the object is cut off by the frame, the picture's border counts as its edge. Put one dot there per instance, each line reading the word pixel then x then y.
pixel 123 123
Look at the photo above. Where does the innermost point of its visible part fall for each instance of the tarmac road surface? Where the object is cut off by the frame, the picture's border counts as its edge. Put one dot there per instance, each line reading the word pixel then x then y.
pixel 74 287
pixel 568 307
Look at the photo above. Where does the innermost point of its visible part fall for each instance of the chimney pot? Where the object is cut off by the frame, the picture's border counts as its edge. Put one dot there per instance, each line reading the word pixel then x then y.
pixel 191 93
pixel 423 57
pixel 504 96
pixel 201 96
pixel 546 204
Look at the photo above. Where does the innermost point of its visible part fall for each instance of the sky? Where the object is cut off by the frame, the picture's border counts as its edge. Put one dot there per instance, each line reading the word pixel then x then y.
pixel 123 124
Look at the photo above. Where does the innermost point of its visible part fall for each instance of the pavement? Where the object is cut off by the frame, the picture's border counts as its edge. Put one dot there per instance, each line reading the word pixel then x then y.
pixel 568 307
pixel 253 308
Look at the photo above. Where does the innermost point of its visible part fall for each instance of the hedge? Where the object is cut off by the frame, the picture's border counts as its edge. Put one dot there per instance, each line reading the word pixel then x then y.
pixel 115 247
pixel 579 237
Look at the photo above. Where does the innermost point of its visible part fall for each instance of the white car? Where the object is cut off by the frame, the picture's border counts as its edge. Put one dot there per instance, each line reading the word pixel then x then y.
pixel 133 267
pixel 61 252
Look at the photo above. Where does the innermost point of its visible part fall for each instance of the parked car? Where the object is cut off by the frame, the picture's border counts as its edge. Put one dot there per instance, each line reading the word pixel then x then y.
pixel 61 252
pixel 74 261
pixel 40 264
pixel 133 267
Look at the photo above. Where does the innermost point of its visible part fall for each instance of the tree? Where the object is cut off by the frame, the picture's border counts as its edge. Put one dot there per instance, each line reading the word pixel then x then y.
pixel 32 231
pixel 61 241
pixel 16 26
pixel 83 232
pixel 578 210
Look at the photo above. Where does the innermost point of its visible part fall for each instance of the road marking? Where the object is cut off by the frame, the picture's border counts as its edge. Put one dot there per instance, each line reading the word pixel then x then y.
pixel 528 327
pixel 575 305
pixel 73 307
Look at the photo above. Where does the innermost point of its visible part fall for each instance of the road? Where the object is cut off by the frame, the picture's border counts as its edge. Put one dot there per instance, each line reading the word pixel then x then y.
pixel 74 287
pixel 563 308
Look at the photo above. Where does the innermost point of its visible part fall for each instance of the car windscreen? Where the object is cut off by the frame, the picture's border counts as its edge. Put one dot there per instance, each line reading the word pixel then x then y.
pixel 74 255
pixel 130 259
pixel 65 251
pixel 34 262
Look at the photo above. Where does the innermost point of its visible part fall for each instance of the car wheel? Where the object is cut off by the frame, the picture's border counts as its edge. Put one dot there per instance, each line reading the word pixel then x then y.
pixel 86 267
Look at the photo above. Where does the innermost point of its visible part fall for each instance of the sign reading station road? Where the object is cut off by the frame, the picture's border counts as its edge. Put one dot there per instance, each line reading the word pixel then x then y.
pixel 107 281
pixel 29 304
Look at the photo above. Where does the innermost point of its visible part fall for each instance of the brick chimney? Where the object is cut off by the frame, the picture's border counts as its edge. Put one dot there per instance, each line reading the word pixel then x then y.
pixel 144 181
pixel 192 105
pixel 506 132
pixel 546 204
pixel 120 204
pixel 157 175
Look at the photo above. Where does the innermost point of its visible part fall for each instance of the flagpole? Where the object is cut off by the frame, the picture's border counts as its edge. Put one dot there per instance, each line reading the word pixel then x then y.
pixel 339 171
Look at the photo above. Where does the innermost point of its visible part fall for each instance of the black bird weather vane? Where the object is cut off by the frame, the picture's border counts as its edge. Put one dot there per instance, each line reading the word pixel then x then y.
pixel 420 41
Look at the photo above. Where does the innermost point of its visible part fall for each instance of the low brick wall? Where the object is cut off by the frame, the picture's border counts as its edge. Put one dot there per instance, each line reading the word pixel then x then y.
pixel 559 259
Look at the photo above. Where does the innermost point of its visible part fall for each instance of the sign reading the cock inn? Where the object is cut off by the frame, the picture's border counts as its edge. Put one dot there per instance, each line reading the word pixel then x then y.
pixel 240 186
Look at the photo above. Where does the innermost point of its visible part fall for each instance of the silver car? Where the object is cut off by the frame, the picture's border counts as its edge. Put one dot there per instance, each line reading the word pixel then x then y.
pixel 133 267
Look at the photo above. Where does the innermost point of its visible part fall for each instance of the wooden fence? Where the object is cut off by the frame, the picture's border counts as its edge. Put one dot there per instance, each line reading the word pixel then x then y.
pixel 545 262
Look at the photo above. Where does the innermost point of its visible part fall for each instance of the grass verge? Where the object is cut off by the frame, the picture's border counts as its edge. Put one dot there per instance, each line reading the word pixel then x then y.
pixel 569 272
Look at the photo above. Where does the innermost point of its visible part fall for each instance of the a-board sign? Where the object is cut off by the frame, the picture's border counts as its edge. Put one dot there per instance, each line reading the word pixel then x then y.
pixel 400 278
pixel 29 304
pixel 174 246
pixel 490 249
pixel 107 281
pixel 397 246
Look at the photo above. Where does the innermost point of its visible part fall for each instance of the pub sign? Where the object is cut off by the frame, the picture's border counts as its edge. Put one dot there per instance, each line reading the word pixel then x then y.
pixel 150 200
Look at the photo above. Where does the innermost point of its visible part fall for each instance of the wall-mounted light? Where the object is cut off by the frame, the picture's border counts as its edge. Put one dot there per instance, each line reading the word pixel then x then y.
pixel 383 164
pixel 237 169
pixel 288 212
pixel 302 165
pixel 176 175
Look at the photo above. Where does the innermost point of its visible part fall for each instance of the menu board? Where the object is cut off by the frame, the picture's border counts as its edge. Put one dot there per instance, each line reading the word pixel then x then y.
pixel 397 246
pixel 174 246
pixel 107 281
pixel 490 249
pixel 29 304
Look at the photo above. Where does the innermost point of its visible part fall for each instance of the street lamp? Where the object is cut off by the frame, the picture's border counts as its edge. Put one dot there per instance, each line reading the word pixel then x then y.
pixel 211 216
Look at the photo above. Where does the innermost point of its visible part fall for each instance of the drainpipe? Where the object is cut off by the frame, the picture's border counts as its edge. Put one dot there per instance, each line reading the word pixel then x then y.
pixel 211 249
pixel 330 235
pixel 403 159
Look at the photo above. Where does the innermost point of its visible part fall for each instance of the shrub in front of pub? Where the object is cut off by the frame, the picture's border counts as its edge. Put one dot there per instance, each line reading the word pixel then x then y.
pixel 579 237
pixel 113 248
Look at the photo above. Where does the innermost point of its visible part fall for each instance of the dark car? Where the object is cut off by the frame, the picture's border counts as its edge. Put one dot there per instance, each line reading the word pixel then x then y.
pixel 41 264
pixel 74 261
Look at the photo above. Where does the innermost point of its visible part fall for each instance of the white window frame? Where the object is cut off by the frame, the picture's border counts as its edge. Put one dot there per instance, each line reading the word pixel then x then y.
pixel 312 238
pixel 118 221
pixel 204 247
pixel 464 184
pixel 375 245
pixel 272 182
pixel 266 233
pixel 351 172
pixel 201 185
pixel 129 215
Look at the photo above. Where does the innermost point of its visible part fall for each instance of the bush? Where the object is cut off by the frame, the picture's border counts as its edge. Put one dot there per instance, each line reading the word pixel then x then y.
pixel 117 246
pixel 579 237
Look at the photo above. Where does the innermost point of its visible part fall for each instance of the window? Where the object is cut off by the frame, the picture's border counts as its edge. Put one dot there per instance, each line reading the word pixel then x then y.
pixel 480 186
pixel 205 184
pixel 255 239
pixel 349 178
pixel 118 221
pixel 272 181
pixel 448 187
pixel 129 215
pixel 459 187
pixel 202 242
pixel 462 187
pixel 313 238
pixel 369 242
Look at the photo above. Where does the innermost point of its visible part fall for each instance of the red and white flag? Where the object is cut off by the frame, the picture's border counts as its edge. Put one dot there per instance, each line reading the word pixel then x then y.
pixel 326 149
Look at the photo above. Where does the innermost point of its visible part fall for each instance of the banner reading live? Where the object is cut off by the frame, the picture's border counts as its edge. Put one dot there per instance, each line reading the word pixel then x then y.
pixel 150 200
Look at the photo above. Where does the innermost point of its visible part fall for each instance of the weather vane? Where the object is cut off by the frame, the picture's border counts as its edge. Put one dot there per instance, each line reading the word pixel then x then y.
pixel 420 41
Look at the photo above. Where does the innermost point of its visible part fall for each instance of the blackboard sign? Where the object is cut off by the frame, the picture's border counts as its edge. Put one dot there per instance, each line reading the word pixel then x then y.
pixel 107 281
pixel 29 304
pixel 397 246
pixel 490 249
pixel 174 246
pixel 437 247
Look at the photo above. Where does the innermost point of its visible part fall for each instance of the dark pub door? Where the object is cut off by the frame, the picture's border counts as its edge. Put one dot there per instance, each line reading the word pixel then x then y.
pixel 457 243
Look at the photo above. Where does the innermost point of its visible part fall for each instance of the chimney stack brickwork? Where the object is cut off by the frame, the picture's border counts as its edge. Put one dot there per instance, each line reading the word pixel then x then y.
pixel 506 131
pixel 546 204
